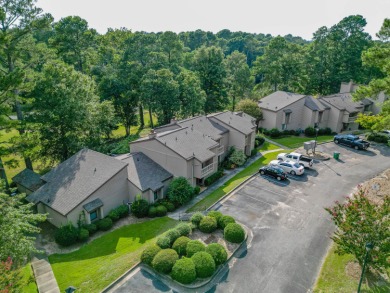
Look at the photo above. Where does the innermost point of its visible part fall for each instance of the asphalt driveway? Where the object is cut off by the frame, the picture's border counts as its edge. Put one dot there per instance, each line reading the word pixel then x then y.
pixel 290 226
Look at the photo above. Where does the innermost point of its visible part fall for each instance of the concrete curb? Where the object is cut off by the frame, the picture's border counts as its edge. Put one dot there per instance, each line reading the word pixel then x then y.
pixel 122 278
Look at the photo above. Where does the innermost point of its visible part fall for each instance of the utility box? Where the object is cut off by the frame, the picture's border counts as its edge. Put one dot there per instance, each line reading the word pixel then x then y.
pixel 307 145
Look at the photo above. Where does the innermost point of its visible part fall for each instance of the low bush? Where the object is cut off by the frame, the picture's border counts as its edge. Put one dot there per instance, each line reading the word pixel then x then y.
pixel 196 218
pixel 104 224
pixel 274 133
pixel 152 212
pixel 163 242
pixel 114 215
pixel 310 131
pixel 237 158
pixel 196 190
pixel 161 211
pixel 164 260
pixel 218 252
pixel 377 137
pixel 211 179
pixel 208 224
pixel 170 206
pixel 91 228
pixel 140 208
pixel 215 214
pixel 149 253
pixel 66 235
pixel 180 191
pixel 123 210
pixel 292 132
pixel 184 229
pixel 224 220
pixel 204 264
pixel 194 246
pixel 184 271
pixel 234 233
pixel 259 140
pixel 83 235
pixel 172 234
pixel 180 245
pixel 327 131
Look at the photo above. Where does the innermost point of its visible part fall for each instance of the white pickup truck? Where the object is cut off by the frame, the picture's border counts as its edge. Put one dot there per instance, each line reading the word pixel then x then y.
pixel 298 158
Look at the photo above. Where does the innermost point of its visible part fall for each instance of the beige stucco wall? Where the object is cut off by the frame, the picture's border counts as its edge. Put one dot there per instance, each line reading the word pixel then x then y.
pixel 236 138
pixel 147 194
pixel 269 119
pixel 309 117
pixel 23 189
pixel 53 216
pixel 335 118
pixel 295 116
pixel 133 191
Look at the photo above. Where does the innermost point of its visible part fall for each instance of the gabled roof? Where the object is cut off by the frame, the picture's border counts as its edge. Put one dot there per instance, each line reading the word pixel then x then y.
pixel 314 104
pixel 278 100
pixel 28 179
pixel 344 101
pixel 75 179
pixel 144 173
pixel 204 125
pixel 246 116
pixel 237 122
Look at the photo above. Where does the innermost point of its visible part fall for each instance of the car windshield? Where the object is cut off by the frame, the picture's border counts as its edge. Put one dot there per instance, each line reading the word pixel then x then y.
pixel 279 170
pixel 296 165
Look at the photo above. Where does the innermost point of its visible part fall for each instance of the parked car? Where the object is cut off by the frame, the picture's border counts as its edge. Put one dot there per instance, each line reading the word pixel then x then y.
pixel 297 158
pixel 275 172
pixel 288 167
pixel 351 140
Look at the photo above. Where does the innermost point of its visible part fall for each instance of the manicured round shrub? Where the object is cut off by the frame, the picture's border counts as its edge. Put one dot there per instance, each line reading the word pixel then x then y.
pixel 123 210
pixel 218 252
pixel 161 211
pixel 152 212
pixel 184 271
pixel 66 235
pixel 83 235
pixel 184 229
pixel 204 264
pixel 104 224
pixel 196 190
pixel 172 235
pixel 194 246
pixel 224 220
pixel 310 131
pixel 180 191
pixel 140 208
pixel 92 228
pixel 180 245
pixel 164 260
pixel 196 218
pixel 164 242
pixel 215 214
pixel 170 206
pixel 113 215
pixel 149 253
pixel 234 233
pixel 208 224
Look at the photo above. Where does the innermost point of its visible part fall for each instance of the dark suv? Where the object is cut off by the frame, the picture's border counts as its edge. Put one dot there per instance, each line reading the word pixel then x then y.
pixel 276 172
pixel 351 140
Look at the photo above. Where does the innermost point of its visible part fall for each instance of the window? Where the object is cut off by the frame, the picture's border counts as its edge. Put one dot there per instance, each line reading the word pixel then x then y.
pixel 93 215
pixel 283 126
pixel 155 195
pixel 320 116
pixel 288 118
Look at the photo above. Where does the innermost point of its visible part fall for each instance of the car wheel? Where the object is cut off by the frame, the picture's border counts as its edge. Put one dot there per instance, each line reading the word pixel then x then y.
pixel 356 147
pixel 336 141
pixel 279 178
pixel 292 173
pixel 262 172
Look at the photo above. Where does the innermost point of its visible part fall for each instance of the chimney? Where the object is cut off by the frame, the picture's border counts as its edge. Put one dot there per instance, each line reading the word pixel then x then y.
pixel 152 134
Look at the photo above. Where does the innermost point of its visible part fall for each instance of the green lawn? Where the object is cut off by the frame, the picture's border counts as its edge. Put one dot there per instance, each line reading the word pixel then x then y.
pixel 27 282
pixel 294 142
pixel 266 146
pixel 333 277
pixel 233 182
pixel 97 264
pixel 120 132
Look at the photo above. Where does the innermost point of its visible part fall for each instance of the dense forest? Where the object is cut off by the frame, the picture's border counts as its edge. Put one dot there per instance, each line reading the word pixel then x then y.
pixel 70 87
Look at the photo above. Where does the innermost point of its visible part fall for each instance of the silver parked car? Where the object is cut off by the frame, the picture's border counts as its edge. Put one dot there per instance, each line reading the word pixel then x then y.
pixel 289 167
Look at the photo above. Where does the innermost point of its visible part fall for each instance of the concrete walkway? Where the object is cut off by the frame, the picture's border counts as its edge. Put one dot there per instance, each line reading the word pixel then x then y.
pixel 180 213
pixel 44 276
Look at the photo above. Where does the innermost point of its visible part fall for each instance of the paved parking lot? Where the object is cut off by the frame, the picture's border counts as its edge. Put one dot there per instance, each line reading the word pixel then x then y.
pixel 291 229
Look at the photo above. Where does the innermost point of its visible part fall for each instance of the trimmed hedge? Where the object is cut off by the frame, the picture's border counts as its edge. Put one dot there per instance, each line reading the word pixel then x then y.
pixel 161 211
pixel 212 178
pixel 224 220
pixel 149 253
pixel 218 252
pixel 204 264
pixel 234 233
pixel 92 228
pixel 172 235
pixel 104 224
pixel 140 208
pixel 83 235
pixel 184 229
pixel 113 215
pixel 164 260
pixel 164 242
pixel 123 210
pixel 180 245
pixel 215 214
pixel 152 212
pixel 184 271
pixel 208 224
pixel 196 190
pixel 194 246
pixel 196 218
pixel 66 235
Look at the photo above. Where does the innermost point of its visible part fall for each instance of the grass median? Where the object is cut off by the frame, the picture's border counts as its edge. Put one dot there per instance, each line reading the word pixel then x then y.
pixel 233 182
pixel 100 262
pixel 297 141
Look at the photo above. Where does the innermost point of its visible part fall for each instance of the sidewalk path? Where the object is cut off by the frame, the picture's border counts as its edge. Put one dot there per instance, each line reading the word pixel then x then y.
pixel 44 276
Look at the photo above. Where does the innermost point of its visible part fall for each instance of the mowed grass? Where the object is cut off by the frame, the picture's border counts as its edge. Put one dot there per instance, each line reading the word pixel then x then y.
pixel 121 132
pixel 333 277
pixel 27 283
pixel 266 146
pixel 293 142
pixel 233 182
pixel 100 262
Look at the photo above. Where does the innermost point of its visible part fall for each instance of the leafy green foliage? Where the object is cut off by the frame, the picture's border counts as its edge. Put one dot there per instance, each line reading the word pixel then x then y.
pixel 113 215
pixel 215 214
pixel 164 242
pixel 196 218
pixel 194 246
pixel 9 276
pixel 251 108
pixel 140 208
pixel 371 122
pixel 152 212
pixel 149 253
pixel 184 271
pixel 66 235
pixel 214 177
pixel 104 224
pixel 172 234
pixel 192 97
pixel 196 190
pixel 204 264
pixel 208 224
pixel 237 157
pixel 184 229
pixel 310 131
pixel 122 210
pixel 180 245
pixel 161 211
pixel 218 252
pixel 83 235
pixel 180 191
pixel 234 233
pixel 359 222
pixel 164 260
pixel 91 228
pixel 224 220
